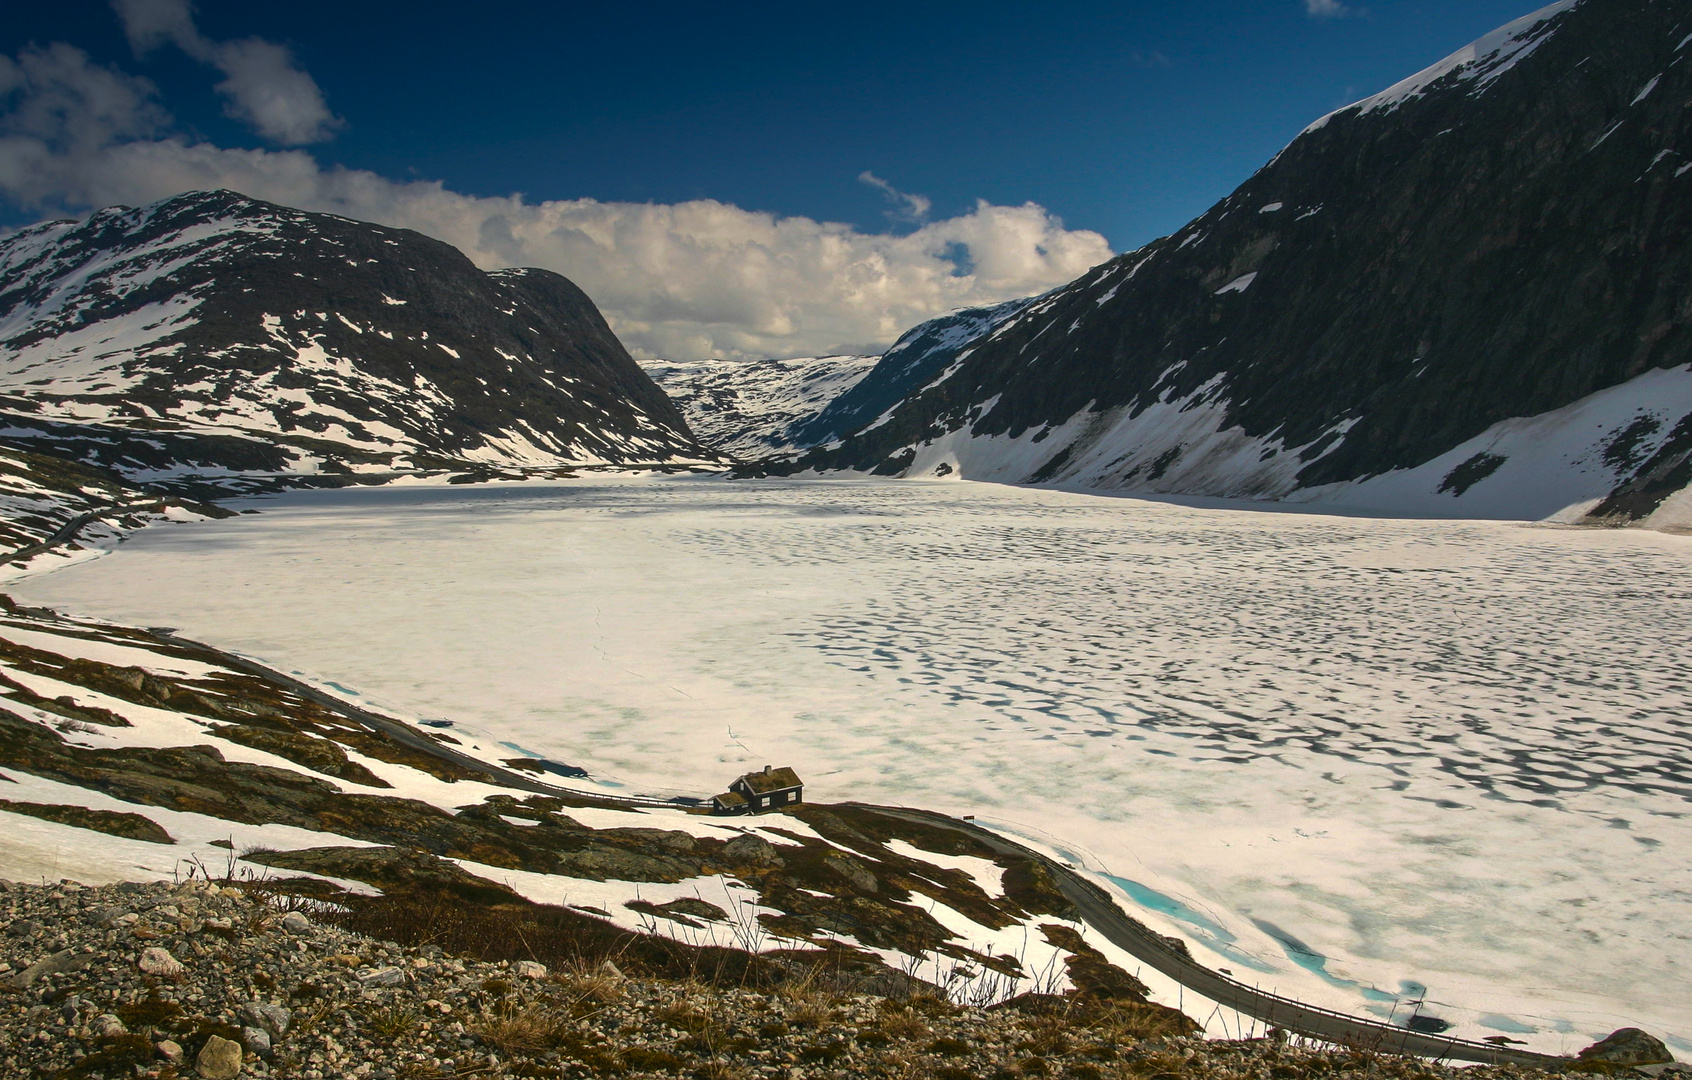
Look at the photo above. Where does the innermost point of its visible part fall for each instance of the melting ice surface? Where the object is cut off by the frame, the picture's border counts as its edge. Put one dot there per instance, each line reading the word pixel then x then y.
pixel 1440 754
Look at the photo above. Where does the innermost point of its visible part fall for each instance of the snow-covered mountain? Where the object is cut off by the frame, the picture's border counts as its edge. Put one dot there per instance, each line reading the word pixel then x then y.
pixel 1465 295
pixel 213 333
pixel 753 408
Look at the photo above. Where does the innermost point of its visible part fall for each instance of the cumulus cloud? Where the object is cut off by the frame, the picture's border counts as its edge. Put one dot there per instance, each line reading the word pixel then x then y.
pixel 685 281
pixel 1325 9
pixel 906 208
pixel 262 85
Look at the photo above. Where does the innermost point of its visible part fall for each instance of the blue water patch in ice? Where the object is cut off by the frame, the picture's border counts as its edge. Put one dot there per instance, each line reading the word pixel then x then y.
pixel 1207 931
pixel 1504 1023
pixel 1317 964
pixel 349 691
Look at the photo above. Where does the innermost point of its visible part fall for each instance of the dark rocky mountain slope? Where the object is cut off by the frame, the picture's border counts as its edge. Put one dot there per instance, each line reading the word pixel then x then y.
pixel 213 334
pixel 1469 294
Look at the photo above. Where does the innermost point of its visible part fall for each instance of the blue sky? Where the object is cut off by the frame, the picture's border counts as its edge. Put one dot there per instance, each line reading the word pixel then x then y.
pixel 1122 120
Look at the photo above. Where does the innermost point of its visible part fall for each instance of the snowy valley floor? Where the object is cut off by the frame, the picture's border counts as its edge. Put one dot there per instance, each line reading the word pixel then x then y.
pixel 1361 761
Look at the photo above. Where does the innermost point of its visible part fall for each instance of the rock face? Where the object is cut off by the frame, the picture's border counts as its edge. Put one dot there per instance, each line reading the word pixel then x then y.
pixel 1628 1046
pixel 1465 295
pixel 754 408
pixel 215 333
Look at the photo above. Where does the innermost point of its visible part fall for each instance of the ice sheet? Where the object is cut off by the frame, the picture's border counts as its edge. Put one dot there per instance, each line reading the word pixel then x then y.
pixel 1440 754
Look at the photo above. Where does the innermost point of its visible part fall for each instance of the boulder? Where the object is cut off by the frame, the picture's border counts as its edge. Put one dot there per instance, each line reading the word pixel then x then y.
pixel 529 969
pixel 295 923
pixel 853 870
pixel 1627 1046
pixel 751 849
pixel 220 1059
pixel 382 976
pixel 171 1051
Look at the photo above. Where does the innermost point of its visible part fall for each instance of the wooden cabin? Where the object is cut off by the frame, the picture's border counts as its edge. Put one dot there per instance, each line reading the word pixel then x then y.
pixel 757 792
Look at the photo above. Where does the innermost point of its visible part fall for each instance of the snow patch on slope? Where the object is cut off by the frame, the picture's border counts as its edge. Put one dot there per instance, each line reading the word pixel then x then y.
pixel 1480 62
pixel 750 408
pixel 1557 465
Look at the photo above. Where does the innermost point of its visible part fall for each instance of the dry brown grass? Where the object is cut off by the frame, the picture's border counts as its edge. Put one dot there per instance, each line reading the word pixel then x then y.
pixel 523 1028
pixel 807 1002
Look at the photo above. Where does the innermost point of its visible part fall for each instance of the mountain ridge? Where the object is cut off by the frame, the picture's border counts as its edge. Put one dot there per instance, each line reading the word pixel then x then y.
pixel 1487 242
pixel 315 342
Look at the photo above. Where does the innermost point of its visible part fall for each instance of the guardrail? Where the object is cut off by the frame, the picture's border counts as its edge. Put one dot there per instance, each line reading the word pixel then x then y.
pixel 1290 1014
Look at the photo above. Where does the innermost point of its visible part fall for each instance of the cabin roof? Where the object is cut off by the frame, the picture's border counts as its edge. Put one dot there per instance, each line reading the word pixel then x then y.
pixel 762 783
pixel 729 799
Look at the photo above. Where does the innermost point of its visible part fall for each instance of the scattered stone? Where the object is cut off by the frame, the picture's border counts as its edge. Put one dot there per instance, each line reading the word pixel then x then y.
pixel 109 1026
pixel 295 923
pixel 220 1059
pixel 158 962
pixel 272 1018
pixel 63 961
pixel 257 1041
pixel 1628 1046
pixel 529 969
pixel 171 1051
pixel 382 976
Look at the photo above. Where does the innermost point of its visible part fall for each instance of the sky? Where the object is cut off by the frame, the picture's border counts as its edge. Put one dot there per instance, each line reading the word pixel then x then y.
pixel 739 180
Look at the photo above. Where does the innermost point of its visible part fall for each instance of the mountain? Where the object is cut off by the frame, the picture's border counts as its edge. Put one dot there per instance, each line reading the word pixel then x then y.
pixel 1465 295
pixel 215 334
pixel 753 408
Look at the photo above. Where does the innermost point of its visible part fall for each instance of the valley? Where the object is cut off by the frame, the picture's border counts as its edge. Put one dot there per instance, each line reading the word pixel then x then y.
pixel 1330 753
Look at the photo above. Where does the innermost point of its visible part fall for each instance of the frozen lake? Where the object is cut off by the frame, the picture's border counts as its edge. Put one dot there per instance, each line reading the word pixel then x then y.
pixel 1451 755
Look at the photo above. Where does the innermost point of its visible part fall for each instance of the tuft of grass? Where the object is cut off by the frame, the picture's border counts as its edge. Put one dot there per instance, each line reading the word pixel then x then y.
pixel 523 1029
pixel 392 1023
pixel 948 1046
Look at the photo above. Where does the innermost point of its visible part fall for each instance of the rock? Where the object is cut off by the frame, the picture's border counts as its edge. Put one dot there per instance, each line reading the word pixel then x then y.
pixel 529 969
pixel 382 976
pixel 109 1026
pixel 753 849
pixel 295 923
pixel 272 1018
pixel 257 1041
pixel 853 869
pixel 219 1060
pixel 63 961
pixel 1627 1046
pixel 108 916
pixel 171 1051
pixel 159 962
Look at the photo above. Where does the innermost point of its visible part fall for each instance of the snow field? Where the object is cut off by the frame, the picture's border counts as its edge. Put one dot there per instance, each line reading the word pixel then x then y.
pixel 1447 758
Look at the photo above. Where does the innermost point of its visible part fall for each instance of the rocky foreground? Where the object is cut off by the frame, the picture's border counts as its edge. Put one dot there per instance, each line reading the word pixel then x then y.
pixel 210 980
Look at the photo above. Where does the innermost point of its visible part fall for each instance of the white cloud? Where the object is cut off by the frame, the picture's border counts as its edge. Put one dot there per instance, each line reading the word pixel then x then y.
pixel 907 208
pixel 1325 9
pixel 262 85
pixel 685 280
